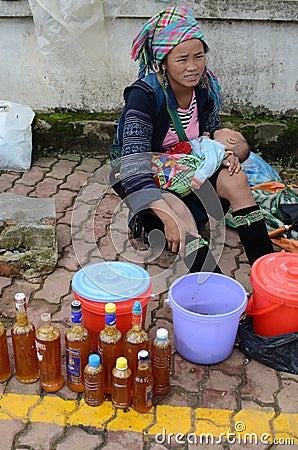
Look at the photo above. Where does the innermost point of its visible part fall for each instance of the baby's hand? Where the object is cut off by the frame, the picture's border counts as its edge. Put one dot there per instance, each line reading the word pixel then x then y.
pixel 207 134
pixel 195 184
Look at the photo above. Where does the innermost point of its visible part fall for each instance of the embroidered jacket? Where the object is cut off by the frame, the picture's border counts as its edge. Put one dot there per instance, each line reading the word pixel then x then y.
pixel 142 128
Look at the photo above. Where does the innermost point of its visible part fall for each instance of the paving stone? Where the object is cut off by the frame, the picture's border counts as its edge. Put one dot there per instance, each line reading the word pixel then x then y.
pixel 186 374
pixel 56 285
pixel 262 382
pixel 20 189
pixel 63 199
pixel 4 281
pixel 127 440
pixel 69 260
pixel 7 300
pixel 287 397
pixel 62 169
pixel 79 439
pixel 8 429
pixel 46 188
pixel 46 162
pixel 227 262
pixel 34 437
pixel 38 306
pixel 220 391
pixel 233 364
pixel 15 387
pixel 34 176
pixel 7 180
pixel 90 164
pixel 63 232
pixel 243 276
pixel 75 181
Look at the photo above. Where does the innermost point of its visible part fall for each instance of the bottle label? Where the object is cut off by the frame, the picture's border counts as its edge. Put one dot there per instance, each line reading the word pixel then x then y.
pixel 149 395
pixel 40 348
pixel 76 316
pixel 73 365
pixel 91 385
pixel 111 319
pixel 136 320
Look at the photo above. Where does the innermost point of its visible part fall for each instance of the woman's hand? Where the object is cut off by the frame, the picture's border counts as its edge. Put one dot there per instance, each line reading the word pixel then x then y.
pixel 232 163
pixel 178 222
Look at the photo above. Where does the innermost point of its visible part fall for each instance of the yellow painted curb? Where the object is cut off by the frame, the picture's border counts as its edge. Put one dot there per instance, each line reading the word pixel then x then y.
pixel 16 407
pixel 53 410
pixel 255 425
pixel 92 416
pixel 172 419
pixel 131 420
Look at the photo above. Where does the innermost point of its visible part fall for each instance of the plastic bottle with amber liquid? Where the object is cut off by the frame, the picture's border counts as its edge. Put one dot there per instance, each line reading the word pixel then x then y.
pixel 121 384
pixel 93 381
pixel 77 349
pixel 48 344
pixel 135 339
pixel 23 343
pixel 5 370
pixel 143 384
pixel 161 350
pixel 110 345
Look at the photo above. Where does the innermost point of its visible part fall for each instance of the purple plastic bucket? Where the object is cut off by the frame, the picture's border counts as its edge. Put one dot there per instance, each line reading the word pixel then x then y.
pixel 206 311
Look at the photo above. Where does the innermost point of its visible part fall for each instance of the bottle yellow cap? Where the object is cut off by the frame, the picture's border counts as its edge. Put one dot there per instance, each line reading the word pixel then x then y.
pixel 121 363
pixel 110 308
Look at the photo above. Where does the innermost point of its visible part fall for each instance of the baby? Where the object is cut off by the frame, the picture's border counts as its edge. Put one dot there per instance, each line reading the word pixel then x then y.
pixel 187 165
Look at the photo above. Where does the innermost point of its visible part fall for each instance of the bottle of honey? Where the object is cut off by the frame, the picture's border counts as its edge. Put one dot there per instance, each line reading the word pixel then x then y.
pixel 48 344
pixel 77 348
pixel 121 384
pixel 5 370
pixel 143 384
pixel 23 343
pixel 135 339
pixel 110 345
pixel 93 381
pixel 161 362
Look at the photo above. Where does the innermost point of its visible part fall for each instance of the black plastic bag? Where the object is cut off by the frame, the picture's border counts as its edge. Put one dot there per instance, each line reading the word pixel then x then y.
pixel 279 352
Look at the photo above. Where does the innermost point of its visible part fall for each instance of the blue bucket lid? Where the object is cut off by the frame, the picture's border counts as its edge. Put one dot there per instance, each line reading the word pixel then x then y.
pixel 112 281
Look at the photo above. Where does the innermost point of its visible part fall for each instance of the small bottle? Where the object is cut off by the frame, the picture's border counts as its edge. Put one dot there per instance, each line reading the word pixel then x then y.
pixel 93 381
pixel 77 348
pixel 135 339
pixel 121 384
pixel 143 384
pixel 5 370
pixel 110 345
pixel 23 343
pixel 161 362
pixel 48 344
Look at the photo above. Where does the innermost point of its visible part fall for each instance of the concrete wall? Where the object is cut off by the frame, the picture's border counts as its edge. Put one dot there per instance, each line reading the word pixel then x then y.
pixel 253 50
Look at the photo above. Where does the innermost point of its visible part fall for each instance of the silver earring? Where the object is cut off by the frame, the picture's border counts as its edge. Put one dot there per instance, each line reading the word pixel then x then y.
pixel 165 77
pixel 155 66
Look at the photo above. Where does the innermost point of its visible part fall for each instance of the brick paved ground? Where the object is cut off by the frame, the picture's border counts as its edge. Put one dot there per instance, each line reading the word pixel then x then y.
pixel 202 399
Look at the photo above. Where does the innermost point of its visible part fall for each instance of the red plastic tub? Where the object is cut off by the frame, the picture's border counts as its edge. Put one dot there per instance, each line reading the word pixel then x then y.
pixel 118 282
pixel 274 302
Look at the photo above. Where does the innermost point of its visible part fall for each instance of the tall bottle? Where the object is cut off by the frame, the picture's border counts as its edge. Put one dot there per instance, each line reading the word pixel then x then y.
pixel 23 343
pixel 93 381
pixel 5 370
pixel 77 348
pixel 161 362
pixel 143 384
pixel 135 339
pixel 121 384
pixel 48 344
pixel 110 345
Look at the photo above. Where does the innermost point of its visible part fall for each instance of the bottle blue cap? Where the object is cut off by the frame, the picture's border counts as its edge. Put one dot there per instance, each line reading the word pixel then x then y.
pixel 111 281
pixel 94 360
pixel 137 308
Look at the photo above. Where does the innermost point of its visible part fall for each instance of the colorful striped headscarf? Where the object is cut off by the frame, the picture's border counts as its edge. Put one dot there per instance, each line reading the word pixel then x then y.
pixel 161 34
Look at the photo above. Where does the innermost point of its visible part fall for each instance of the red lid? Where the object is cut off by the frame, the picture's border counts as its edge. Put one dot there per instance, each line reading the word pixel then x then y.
pixel 276 275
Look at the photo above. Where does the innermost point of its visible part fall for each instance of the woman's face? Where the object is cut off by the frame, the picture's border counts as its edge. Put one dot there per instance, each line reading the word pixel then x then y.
pixel 185 64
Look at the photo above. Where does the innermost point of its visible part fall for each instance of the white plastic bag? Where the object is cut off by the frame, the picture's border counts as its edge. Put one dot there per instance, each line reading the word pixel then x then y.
pixel 15 136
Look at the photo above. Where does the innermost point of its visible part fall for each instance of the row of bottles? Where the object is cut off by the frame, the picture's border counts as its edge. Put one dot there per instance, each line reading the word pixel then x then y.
pixel 37 354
